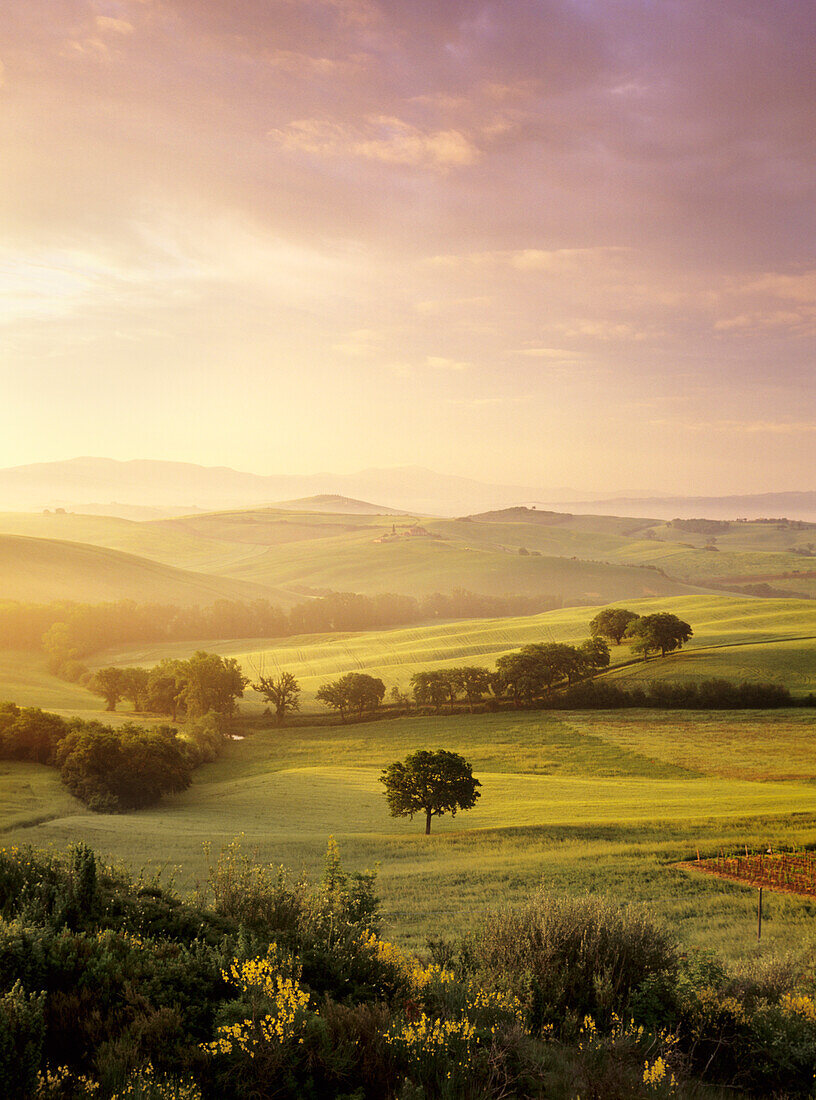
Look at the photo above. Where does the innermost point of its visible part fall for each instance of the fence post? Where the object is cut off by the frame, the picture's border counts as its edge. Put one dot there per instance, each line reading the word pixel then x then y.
pixel 759 916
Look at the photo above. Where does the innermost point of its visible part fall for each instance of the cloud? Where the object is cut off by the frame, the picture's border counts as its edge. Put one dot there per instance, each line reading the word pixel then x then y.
pixel 558 354
pixel 114 26
pixel 359 343
pixel 741 427
pixel 532 259
pixel 798 287
pixel 382 138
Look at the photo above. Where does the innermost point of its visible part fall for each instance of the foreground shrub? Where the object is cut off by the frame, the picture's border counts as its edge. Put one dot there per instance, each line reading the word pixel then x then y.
pixel 22 1029
pixel 566 958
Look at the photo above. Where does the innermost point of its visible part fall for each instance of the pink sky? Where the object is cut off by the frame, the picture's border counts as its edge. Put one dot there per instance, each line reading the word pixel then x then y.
pixel 551 242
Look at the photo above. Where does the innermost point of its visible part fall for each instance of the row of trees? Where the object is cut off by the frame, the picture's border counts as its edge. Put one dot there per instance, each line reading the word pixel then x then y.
pixel 68 632
pixel 526 676
pixel 205 683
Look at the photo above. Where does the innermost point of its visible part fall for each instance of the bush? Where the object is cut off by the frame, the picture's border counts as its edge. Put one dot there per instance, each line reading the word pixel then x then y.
pixel 22 1029
pixel 566 958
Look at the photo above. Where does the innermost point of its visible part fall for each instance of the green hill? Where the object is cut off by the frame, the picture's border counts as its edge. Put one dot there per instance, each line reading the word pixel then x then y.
pixel 421 565
pixel 145 539
pixel 43 570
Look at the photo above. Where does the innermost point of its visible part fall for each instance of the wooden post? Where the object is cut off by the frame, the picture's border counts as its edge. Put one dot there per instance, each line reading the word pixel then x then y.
pixel 759 916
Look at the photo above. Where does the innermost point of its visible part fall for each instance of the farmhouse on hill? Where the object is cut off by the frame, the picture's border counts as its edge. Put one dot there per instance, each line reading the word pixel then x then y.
pixel 416 531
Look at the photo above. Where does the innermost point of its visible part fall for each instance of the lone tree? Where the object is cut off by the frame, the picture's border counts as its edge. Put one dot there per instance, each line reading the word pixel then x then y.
pixel 612 623
pixel 283 692
pixel 433 783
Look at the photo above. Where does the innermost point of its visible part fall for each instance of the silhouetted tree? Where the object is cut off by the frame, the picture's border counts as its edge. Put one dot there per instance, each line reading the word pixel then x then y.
pixel 282 691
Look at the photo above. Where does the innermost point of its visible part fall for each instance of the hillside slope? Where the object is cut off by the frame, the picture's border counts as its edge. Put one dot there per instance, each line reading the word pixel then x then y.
pixel 43 570
pixel 146 539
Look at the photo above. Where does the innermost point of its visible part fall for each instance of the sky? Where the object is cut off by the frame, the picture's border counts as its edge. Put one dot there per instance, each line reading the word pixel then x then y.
pixel 561 243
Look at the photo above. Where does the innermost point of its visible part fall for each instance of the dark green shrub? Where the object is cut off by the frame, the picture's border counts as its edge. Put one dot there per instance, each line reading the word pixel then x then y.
pixel 22 1030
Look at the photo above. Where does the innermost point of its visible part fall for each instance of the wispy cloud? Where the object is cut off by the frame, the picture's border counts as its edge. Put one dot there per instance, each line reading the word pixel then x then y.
pixel 382 138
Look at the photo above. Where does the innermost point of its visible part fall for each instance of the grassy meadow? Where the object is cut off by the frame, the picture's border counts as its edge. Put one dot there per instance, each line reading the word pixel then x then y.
pixel 600 802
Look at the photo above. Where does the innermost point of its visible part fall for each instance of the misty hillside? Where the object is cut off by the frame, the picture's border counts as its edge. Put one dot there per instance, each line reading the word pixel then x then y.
pixel 793 505
pixel 45 570
pixel 337 505
pixel 187 487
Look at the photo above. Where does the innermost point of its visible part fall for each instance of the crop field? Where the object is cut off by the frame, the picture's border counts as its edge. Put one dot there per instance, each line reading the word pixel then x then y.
pixel 575 802
pixel 787 872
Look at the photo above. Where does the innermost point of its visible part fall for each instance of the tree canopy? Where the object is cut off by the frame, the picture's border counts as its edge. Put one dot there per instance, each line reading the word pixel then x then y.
pixel 662 631
pixel 356 691
pixel 433 783
pixel 612 623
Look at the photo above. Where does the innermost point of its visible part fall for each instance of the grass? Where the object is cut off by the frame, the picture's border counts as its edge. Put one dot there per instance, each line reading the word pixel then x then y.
pixel 577 802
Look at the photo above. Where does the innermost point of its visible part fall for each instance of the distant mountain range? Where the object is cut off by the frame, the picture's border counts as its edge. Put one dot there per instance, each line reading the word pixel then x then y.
pixel 181 487
pixel 157 488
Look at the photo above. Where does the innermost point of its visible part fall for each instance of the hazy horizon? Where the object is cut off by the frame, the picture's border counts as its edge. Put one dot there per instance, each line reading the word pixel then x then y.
pixel 556 244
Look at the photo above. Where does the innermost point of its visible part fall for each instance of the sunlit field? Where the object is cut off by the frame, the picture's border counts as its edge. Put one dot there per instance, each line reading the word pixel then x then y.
pixel 601 802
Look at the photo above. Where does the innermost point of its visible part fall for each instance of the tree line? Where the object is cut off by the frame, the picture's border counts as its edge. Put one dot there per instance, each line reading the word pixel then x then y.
pixel 203 684
pixel 67 632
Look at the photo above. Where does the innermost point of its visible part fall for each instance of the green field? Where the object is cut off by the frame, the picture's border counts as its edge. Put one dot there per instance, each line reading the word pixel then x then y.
pixel 738 638
pixel 580 802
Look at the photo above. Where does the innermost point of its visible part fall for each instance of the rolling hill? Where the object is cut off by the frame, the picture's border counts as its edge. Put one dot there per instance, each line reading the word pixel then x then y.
pixel 38 570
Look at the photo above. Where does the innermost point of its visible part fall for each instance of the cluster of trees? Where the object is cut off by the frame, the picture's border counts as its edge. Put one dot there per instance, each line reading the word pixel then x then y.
pixel 524 677
pixel 205 683
pixel 659 633
pixel 701 526
pixel 109 770
pixel 356 692
pixel 535 670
